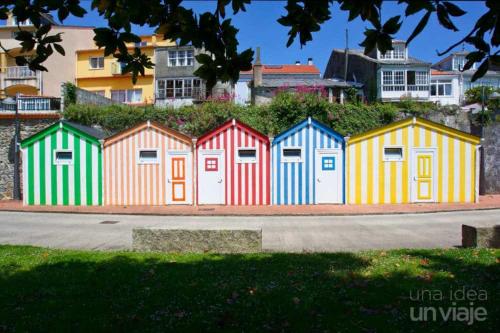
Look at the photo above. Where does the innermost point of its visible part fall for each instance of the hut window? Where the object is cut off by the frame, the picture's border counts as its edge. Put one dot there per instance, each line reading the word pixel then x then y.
pixel 393 153
pixel 247 155
pixel 63 157
pixel 148 156
pixel 328 163
pixel 291 155
pixel 211 164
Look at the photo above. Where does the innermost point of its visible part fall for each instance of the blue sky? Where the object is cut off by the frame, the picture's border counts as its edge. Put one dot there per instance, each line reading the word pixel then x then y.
pixel 258 27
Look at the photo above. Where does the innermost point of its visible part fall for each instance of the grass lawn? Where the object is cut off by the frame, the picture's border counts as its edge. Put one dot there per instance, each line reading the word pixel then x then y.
pixel 82 291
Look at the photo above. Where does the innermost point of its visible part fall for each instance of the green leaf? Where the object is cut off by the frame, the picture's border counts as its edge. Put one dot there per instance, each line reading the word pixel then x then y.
pixel 59 49
pixel 481 70
pixel 478 43
pixel 420 26
pixel 392 25
pixel 453 9
pixel 444 18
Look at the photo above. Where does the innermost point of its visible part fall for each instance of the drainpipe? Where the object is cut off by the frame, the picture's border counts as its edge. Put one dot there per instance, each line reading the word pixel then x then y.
pixel 195 173
pixel 17 176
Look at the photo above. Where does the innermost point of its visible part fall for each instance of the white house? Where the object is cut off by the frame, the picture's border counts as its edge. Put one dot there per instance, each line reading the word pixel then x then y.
pixel 449 83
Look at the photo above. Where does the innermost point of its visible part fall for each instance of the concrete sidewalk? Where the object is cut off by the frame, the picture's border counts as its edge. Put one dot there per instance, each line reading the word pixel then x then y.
pixel 485 202
pixel 280 233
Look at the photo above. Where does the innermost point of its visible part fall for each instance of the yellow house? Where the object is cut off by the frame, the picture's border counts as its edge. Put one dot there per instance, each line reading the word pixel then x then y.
pixel 102 75
pixel 412 160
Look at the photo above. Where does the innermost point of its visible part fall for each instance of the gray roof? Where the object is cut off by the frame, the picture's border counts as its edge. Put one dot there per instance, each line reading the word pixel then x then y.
pixel 409 61
pixel 296 82
pixel 95 132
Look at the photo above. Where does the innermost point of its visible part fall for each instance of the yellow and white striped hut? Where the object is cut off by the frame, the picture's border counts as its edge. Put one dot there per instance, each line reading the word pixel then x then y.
pixel 412 160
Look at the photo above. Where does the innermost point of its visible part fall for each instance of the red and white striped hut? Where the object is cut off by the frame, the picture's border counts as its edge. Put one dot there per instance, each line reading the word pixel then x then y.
pixel 233 166
pixel 148 164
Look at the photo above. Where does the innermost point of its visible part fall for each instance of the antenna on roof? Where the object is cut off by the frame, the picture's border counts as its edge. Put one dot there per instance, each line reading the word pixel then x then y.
pixel 346 60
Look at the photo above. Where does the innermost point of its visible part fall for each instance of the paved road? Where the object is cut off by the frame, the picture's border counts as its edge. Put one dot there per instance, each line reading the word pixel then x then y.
pixel 314 233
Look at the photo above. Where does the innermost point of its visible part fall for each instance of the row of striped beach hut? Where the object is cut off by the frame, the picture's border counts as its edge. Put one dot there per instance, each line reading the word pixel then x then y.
pixel 412 160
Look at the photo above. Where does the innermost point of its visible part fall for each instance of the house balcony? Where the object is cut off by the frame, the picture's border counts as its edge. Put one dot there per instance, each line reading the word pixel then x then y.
pixel 30 105
pixel 19 79
pixel 398 92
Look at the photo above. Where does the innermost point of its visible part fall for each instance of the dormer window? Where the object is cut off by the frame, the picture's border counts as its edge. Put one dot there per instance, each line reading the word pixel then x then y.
pixel 398 52
pixel 459 62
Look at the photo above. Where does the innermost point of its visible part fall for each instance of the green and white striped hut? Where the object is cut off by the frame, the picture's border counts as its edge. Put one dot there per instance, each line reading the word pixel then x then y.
pixel 62 165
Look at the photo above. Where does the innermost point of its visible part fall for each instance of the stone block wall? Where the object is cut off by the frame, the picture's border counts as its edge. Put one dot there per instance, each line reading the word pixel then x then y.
pixel 29 126
pixel 491 151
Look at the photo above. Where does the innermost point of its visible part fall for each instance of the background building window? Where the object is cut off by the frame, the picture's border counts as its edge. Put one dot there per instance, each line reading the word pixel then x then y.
pixel 441 88
pixel 398 53
pixel 393 80
pixel 127 96
pixel 96 62
pixel 178 88
pixel 180 58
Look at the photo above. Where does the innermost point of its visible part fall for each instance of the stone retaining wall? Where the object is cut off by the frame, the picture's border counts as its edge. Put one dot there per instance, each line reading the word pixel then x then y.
pixel 29 126
pixel 491 151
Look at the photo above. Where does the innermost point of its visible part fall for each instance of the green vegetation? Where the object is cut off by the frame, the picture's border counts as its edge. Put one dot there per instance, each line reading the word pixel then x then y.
pixel 286 110
pixel 83 291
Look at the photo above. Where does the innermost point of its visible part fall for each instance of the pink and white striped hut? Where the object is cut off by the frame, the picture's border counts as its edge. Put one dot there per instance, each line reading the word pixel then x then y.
pixel 233 166
pixel 148 164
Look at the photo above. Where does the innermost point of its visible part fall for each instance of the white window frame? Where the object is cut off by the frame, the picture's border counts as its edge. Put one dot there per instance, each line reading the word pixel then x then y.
pixel 142 161
pixel 386 159
pixel 63 162
pixel 290 159
pixel 398 52
pixel 96 68
pixel 174 58
pixel 246 160
pixel 127 92
pixel 444 83
pixel 392 86
pixel 162 93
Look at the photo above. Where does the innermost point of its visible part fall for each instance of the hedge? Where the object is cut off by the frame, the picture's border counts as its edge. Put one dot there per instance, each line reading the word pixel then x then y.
pixel 285 110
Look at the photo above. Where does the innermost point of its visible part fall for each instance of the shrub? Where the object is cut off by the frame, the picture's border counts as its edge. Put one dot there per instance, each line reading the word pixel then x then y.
pixel 351 119
pixel 475 95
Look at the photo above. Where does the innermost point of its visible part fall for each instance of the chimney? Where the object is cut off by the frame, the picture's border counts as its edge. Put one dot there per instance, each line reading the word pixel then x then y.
pixel 297 62
pixel 257 70
pixel 310 61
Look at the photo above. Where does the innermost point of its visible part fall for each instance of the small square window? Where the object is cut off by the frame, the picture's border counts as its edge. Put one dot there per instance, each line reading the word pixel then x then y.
pixel 247 155
pixel 393 153
pixel 328 163
pixel 148 156
pixel 63 157
pixel 211 164
pixel 291 155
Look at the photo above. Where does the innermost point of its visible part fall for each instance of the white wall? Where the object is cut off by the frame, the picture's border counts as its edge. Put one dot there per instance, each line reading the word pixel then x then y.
pixel 454 99
pixel 242 93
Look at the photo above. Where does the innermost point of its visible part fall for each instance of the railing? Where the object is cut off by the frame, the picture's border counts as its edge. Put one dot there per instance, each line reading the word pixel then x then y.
pixel 30 104
pixel 20 72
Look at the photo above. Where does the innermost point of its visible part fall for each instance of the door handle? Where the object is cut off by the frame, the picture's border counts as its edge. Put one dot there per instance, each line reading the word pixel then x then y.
pixel 169 180
pixel 220 181
pixel 415 178
pixel 319 181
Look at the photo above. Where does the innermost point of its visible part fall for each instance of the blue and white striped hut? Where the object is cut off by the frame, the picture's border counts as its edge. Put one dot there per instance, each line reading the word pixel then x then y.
pixel 308 165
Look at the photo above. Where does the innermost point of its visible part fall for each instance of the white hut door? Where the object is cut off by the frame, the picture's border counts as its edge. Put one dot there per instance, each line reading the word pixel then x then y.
pixel 178 178
pixel 211 177
pixel 328 182
pixel 423 180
